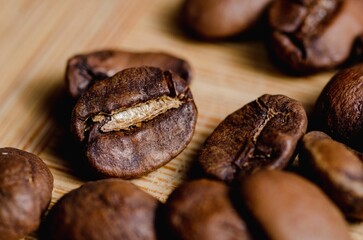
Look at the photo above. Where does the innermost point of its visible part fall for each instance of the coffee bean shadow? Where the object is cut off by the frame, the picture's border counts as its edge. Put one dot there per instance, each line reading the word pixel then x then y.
pixel 58 106
pixel 253 227
pixel 175 26
pixel 45 229
pixel 162 227
pixel 195 170
pixel 68 148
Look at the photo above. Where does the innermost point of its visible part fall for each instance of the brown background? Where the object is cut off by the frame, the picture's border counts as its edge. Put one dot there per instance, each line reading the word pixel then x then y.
pixel 38 36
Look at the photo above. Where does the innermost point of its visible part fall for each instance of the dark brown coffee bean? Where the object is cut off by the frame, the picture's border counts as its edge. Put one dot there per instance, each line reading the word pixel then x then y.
pixel 261 134
pixel 203 209
pixel 286 206
pixel 83 70
pixel 135 122
pixel 26 186
pixel 212 19
pixel 104 209
pixel 309 36
pixel 338 110
pixel 336 169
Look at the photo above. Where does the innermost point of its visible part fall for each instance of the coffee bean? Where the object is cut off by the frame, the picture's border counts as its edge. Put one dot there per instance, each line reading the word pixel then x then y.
pixel 336 169
pixel 309 36
pixel 285 206
pixel 83 70
pixel 104 209
pixel 213 19
pixel 338 109
pixel 134 122
pixel 26 186
pixel 203 209
pixel 261 134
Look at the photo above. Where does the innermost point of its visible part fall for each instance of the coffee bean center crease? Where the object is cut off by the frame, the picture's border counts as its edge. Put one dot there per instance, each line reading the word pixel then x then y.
pixel 133 116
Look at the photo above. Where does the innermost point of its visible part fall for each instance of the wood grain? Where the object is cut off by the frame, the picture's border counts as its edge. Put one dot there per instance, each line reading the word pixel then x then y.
pixel 38 36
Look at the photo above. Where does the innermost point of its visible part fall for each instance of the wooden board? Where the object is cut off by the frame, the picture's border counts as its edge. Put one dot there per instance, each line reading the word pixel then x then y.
pixel 38 36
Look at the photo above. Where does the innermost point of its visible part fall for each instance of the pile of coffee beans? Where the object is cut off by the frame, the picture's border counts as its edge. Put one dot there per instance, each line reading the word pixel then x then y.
pixel 270 132
pixel 246 191
pixel 142 117
pixel 134 111
pixel 303 36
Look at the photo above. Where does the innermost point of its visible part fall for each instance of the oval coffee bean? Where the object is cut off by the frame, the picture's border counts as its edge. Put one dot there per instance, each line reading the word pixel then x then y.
pixel 134 122
pixel 261 134
pixel 26 185
pixel 83 70
pixel 286 206
pixel 104 209
pixel 338 109
pixel 336 169
pixel 213 19
pixel 309 36
pixel 203 209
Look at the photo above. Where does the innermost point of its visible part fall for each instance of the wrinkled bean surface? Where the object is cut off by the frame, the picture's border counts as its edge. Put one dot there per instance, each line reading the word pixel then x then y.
pixel 339 108
pixel 314 35
pixel 134 122
pixel 261 134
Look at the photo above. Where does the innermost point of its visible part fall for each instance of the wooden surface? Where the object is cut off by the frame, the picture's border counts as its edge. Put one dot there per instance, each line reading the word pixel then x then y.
pixel 38 36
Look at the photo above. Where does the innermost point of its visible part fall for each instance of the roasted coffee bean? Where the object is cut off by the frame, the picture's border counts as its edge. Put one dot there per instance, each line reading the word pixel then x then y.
pixel 336 169
pixel 338 109
pixel 83 70
pixel 213 19
pixel 285 206
pixel 104 209
pixel 314 35
pixel 261 134
pixel 134 122
pixel 203 209
pixel 26 186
